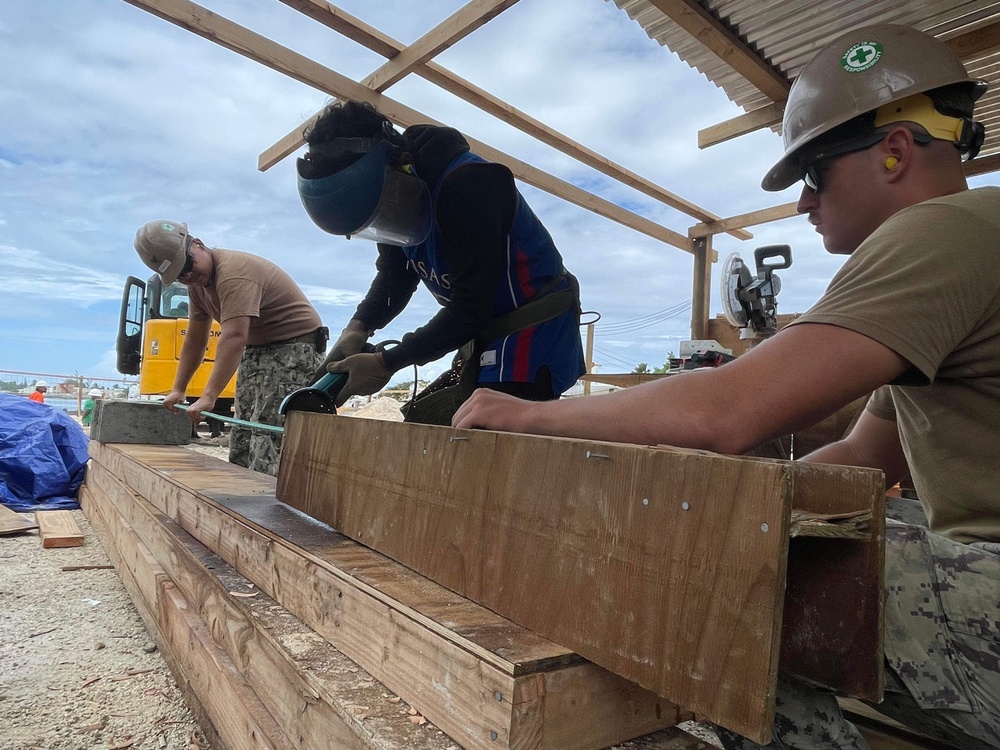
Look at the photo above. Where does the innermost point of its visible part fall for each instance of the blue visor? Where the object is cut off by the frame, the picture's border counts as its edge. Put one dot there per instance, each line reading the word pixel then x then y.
pixel 370 199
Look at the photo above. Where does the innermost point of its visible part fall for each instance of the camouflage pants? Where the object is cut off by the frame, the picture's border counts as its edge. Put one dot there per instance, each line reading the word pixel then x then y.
pixel 267 374
pixel 942 648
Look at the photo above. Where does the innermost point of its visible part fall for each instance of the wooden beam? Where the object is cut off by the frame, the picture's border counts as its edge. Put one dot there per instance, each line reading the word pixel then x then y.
pixel 254 631
pixel 718 37
pixel 763 117
pixel 762 216
pixel 534 526
pixel 355 29
pixel 984 165
pixel 967 46
pixel 198 663
pixel 701 286
pixel 976 43
pixel 232 36
pixel 402 60
pixel 456 27
pixel 406 631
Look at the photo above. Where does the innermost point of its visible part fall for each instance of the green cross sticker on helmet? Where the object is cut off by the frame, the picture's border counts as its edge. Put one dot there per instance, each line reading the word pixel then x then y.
pixel 854 75
pixel 861 57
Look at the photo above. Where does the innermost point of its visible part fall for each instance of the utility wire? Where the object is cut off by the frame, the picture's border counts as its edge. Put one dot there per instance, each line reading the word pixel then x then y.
pixel 644 322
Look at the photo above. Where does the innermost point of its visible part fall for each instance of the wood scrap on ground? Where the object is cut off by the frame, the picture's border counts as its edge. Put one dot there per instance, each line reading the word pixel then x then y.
pixel 14 523
pixel 58 528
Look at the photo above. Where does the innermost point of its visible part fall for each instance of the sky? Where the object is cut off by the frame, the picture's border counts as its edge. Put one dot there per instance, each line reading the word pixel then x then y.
pixel 112 117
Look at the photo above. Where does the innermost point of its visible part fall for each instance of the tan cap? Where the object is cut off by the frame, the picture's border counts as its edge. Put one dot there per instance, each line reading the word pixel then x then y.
pixel 856 73
pixel 162 246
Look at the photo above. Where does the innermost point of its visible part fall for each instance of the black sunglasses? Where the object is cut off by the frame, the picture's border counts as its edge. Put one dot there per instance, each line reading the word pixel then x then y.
pixel 813 165
pixel 188 266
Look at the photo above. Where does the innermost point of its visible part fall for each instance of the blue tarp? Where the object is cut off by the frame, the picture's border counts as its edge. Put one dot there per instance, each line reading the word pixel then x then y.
pixel 43 456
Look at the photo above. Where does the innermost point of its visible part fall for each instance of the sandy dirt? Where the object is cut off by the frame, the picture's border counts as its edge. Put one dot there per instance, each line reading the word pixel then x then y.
pixel 77 667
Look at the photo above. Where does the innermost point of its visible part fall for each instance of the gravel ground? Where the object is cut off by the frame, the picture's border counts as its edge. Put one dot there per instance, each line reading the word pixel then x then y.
pixel 77 668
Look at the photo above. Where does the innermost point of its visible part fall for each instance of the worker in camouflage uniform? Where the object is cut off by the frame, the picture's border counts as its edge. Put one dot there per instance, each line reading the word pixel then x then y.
pixel 270 333
pixel 876 125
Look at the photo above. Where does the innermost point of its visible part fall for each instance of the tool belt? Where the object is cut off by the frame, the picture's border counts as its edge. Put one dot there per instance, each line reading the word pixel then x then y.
pixel 439 401
pixel 318 338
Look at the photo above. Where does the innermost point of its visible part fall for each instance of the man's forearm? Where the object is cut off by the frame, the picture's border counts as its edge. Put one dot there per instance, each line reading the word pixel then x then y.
pixel 227 361
pixel 192 355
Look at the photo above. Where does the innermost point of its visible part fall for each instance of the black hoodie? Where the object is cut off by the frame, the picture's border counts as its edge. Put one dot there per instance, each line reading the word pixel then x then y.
pixel 474 211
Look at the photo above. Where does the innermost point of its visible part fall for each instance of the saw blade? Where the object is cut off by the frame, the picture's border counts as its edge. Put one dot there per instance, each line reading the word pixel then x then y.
pixel 730 288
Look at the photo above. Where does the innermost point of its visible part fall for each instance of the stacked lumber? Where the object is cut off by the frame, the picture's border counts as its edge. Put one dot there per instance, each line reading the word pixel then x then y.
pixel 690 573
pixel 284 633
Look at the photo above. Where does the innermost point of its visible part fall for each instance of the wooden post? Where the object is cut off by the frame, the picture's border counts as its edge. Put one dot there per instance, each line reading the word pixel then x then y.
pixel 590 357
pixel 702 286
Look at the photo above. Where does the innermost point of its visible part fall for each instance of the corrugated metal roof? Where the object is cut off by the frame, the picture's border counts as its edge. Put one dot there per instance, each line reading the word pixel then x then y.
pixel 787 33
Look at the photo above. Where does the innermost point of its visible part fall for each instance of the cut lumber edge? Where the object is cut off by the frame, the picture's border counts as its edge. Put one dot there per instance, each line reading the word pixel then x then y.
pixel 58 528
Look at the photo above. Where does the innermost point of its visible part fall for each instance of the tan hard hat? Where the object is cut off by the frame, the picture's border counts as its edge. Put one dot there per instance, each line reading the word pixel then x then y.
pixel 162 245
pixel 857 73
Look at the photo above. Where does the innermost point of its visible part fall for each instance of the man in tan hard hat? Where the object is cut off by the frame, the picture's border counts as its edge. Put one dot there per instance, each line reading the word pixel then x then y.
pixel 876 125
pixel 270 333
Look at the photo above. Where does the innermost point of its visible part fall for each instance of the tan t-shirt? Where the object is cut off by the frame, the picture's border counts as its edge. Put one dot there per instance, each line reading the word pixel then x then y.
pixel 249 285
pixel 927 285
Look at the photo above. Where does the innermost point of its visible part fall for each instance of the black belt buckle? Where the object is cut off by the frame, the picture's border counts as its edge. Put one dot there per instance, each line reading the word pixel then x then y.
pixel 322 336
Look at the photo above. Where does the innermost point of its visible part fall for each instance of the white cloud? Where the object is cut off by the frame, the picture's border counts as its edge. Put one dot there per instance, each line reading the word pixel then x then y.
pixel 113 117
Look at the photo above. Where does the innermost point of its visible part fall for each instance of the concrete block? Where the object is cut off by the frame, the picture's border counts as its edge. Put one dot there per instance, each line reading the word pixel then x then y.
pixel 138 422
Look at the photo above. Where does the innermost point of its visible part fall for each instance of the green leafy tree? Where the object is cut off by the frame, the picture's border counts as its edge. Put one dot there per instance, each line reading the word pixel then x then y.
pixel 641 368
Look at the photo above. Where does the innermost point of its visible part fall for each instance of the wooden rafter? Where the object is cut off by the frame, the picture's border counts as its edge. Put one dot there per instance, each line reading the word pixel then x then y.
pixel 232 36
pixel 353 28
pixel 967 46
pixel 402 60
pixel 743 220
pixel 720 39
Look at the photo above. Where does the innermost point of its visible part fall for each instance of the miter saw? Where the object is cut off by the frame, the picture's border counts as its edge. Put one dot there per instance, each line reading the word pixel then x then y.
pixel 749 302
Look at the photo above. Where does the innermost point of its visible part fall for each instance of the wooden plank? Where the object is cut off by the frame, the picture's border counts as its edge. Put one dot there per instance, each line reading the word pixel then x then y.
pixel 230 35
pixel 694 615
pixel 13 523
pixel 453 29
pixel 728 335
pixel 236 713
pixel 822 639
pixel 549 694
pixel 755 119
pixel 306 684
pixel 706 229
pixel 90 502
pixel 57 528
pixel 884 733
pixel 623 379
pixel 329 677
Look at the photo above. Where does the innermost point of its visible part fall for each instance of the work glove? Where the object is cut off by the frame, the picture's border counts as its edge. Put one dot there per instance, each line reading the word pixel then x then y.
pixel 351 341
pixel 365 375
